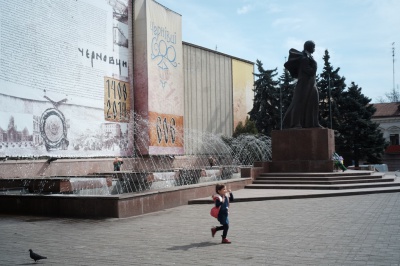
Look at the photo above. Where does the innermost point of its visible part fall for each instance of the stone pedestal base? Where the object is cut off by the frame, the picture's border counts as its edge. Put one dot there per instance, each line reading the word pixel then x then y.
pixel 302 150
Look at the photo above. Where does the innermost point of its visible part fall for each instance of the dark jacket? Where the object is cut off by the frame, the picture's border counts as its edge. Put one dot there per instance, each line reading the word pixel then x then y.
pixel 224 210
pixel 117 165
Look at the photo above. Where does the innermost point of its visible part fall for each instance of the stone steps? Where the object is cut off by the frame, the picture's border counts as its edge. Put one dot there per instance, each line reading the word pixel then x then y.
pixel 246 195
pixel 321 175
pixel 324 187
pixel 323 181
pixel 299 186
pixel 326 182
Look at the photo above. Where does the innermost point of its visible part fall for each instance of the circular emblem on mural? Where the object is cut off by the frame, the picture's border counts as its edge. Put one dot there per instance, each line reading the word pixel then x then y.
pixel 53 128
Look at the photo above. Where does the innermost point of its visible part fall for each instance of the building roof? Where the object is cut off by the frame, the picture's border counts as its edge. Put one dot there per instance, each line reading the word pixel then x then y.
pixel 386 109
pixel 216 52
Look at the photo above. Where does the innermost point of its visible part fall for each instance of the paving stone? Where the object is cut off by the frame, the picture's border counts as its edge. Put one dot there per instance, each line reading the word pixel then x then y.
pixel 351 230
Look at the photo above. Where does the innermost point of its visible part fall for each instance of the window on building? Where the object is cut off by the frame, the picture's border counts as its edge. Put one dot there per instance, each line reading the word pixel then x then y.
pixel 394 139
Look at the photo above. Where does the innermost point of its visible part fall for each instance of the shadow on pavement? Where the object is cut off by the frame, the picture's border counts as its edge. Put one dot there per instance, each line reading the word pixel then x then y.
pixel 193 245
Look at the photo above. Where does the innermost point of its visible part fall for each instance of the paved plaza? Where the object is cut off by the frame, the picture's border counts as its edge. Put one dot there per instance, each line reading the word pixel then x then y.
pixel 348 230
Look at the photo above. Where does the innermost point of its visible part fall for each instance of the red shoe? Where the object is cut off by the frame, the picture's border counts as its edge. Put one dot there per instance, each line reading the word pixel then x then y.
pixel 213 231
pixel 225 241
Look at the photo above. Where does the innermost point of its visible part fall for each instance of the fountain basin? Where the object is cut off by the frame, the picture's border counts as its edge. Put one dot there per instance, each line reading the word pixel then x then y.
pixel 110 206
pixel 120 182
pixel 54 184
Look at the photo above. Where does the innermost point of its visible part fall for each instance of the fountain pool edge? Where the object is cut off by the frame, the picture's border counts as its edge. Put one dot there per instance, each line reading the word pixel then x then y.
pixel 111 206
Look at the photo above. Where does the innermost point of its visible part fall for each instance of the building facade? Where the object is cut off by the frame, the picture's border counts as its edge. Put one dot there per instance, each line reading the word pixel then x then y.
pixel 387 115
pixel 76 90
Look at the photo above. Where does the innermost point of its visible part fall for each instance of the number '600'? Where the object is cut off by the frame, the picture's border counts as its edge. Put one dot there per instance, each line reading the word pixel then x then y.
pixel 166 131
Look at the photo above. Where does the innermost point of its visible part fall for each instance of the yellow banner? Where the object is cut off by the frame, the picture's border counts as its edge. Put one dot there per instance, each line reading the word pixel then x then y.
pixel 117 100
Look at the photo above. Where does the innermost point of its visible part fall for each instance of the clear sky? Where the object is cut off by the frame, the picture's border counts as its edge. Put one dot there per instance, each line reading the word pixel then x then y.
pixel 357 33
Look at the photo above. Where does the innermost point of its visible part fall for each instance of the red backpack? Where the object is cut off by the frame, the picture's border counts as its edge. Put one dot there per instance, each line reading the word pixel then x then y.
pixel 215 210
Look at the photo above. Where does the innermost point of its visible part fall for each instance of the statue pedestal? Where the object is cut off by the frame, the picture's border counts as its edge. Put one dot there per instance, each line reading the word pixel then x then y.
pixel 302 150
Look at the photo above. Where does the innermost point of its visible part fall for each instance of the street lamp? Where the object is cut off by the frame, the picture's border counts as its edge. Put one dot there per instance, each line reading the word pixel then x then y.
pixel 330 102
pixel 280 103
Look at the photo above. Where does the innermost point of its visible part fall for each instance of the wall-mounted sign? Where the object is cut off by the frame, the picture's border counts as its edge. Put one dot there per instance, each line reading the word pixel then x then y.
pixel 117 103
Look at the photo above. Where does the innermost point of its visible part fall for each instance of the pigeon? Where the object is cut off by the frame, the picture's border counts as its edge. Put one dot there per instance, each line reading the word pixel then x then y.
pixel 35 256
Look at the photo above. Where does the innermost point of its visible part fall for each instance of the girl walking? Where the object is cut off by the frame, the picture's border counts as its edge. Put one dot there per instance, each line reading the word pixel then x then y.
pixel 222 201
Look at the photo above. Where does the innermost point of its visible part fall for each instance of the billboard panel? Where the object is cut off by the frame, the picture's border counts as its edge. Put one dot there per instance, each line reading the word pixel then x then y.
pixel 159 91
pixel 243 84
pixel 58 61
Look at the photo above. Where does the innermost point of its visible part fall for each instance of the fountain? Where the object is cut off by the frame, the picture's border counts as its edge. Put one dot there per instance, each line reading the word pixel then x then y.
pixel 66 124
pixel 154 182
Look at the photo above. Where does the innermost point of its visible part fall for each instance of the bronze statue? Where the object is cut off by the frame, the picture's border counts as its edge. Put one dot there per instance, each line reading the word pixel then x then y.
pixel 303 111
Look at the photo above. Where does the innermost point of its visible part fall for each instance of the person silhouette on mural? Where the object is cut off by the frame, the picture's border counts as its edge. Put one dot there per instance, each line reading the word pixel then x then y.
pixel 117 164
pixel 303 111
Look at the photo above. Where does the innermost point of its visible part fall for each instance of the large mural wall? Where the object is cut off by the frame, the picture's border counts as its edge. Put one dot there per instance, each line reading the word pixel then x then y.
pixel 158 72
pixel 65 82
pixel 67 78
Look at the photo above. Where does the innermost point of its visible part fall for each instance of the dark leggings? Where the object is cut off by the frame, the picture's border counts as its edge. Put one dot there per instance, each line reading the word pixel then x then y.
pixel 224 227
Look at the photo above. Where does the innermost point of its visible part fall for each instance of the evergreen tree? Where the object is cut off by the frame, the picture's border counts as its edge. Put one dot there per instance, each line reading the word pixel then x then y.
pixel 265 112
pixel 330 83
pixel 249 127
pixel 358 137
